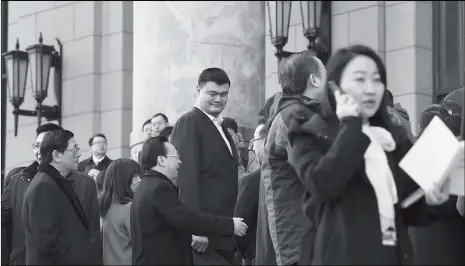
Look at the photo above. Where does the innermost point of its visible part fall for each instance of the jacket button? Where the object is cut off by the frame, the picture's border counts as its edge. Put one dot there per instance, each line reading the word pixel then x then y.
pixel 406 255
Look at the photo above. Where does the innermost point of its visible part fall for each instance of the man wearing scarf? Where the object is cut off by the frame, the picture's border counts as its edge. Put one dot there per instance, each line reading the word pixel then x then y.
pixel 56 227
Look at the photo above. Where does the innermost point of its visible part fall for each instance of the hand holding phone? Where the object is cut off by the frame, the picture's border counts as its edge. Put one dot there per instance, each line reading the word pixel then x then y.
pixel 346 105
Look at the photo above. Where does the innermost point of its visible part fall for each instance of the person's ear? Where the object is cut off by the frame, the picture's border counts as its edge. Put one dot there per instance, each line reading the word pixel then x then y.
pixel 56 156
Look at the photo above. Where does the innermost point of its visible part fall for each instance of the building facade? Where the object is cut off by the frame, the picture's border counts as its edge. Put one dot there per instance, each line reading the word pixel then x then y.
pixel 124 61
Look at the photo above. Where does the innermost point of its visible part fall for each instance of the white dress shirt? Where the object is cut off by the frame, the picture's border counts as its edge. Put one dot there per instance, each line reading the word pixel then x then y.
pixel 216 122
pixel 96 160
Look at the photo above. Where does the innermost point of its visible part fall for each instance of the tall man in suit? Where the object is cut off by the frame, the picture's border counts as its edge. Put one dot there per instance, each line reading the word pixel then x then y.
pixel 208 177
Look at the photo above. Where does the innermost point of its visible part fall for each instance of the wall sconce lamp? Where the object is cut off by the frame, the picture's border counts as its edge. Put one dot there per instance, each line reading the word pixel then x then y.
pixel 41 59
pixel 316 22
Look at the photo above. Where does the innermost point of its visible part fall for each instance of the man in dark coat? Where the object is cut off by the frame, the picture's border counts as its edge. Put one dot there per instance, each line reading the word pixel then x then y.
pixel 208 178
pixel 12 201
pixel 248 199
pixel 55 224
pixel 7 237
pixel 302 78
pixel 99 160
pixel 161 225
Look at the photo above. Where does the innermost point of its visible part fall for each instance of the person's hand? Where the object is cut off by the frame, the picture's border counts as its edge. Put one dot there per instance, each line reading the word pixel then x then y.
pixel 438 195
pixel 93 172
pixel 346 105
pixel 240 228
pixel 199 243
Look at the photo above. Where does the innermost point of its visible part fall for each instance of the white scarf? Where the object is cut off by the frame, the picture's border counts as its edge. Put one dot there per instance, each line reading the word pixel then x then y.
pixel 380 175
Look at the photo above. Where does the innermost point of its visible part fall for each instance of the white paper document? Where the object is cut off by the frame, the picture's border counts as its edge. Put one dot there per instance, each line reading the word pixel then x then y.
pixel 437 157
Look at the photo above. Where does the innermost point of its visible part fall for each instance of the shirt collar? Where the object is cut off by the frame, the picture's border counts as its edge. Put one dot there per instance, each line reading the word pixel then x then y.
pixel 218 119
pixel 97 161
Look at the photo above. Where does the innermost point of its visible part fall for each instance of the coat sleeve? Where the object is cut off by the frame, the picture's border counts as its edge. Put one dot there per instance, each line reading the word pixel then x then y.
pixel 247 207
pixel 326 175
pixel 6 224
pixel 43 220
pixel 187 220
pixel 184 138
pixel 94 221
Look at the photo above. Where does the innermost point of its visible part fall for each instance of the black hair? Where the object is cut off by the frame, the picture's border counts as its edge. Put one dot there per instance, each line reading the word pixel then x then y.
pixel 389 98
pixel 100 179
pixel 146 122
pixel 54 140
pixel 117 184
pixel 47 127
pixel 91 140
pixel 213 74
pixel 166 131
pixel 162 115
pixel 228 122
pixel 151 150
pixel 429 113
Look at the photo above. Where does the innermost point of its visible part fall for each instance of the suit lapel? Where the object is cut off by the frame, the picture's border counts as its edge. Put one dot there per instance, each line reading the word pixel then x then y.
pixel 219 138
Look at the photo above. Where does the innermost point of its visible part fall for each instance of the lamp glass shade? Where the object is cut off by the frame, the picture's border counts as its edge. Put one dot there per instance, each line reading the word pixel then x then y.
pixel 16 63
pixel 311 13
pixel 279 14
pixel 40 57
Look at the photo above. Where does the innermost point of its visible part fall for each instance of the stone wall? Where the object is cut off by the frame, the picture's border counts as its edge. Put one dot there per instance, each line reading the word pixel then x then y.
pixel 97 71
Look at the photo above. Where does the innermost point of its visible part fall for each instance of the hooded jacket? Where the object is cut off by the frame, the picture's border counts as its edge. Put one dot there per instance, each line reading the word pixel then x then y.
pixel 283 190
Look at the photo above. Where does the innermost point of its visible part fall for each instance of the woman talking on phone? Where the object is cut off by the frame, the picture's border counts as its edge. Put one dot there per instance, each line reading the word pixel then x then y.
pixel 348 155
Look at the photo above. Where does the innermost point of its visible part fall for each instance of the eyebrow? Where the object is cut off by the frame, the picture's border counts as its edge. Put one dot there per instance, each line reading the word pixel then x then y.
pixel 363 72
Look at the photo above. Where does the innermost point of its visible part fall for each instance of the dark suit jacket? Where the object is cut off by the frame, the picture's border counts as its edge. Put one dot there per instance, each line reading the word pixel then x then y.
pixel 86 190
pixel 208 175
pixel 55 224
pixel 247 208
pixel 88 164
pixel 162 226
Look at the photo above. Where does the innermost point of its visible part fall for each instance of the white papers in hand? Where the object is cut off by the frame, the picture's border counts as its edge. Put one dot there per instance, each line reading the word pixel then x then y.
pixel 436 157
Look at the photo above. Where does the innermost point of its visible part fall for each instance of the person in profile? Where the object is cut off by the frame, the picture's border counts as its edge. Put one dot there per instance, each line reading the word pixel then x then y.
pixel 161 225
pixel 55 224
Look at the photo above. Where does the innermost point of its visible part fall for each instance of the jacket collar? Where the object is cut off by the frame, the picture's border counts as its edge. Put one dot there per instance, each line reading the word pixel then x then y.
pixel 153 173
pixel 31 170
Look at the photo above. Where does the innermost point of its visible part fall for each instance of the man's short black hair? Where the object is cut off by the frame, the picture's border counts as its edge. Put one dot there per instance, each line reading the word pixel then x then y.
pixel 162 115
pixel 228 122
pixel 91 140
pixel 47 127
pixel 55 140
pixel 429 113
pixel 146 122
pixel 213 74
pixel 166 131
pixel 151 149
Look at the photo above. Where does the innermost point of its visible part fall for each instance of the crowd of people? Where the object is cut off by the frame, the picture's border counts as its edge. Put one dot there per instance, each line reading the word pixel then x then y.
pixel 318 184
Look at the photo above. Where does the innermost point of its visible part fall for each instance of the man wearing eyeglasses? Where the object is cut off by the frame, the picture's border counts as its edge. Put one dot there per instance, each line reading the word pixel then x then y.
pixel 56 227
pixel 99 160
pixel 12 201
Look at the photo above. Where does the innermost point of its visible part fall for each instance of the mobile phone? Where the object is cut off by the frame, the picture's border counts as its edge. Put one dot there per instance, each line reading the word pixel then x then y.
pixel 334 87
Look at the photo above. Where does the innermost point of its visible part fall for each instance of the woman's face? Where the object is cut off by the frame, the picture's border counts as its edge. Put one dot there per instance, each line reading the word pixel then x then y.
pixel 361 79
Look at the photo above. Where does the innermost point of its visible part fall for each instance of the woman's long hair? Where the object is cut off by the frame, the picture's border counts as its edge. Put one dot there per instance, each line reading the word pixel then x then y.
pixel 117 184
pixel 335 68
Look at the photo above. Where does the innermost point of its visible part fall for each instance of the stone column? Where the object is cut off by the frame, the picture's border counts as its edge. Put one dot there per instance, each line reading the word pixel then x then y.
pixel 175 41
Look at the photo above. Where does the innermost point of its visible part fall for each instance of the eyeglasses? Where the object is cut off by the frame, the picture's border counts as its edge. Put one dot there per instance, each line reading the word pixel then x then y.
pixel 100 143
pixel 173 155
pixel 74 150
pixel 253 140
pixel 36 146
